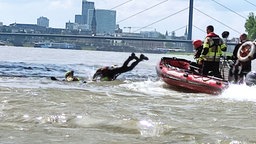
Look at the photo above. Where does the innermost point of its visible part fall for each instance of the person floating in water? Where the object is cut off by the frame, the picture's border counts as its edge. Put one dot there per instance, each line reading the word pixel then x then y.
pixel 110 73
pixel 69 76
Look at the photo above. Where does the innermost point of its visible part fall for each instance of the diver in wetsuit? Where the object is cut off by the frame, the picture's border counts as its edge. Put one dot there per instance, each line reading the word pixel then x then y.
pixel 110 73
pixel 250 78
pixel 69 76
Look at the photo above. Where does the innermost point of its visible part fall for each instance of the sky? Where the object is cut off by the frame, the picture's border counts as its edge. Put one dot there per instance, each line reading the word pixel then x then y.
pixel 140 15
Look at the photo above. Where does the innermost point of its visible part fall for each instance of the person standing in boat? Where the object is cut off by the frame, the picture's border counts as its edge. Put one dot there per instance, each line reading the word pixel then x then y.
pixel 110 73
pixel 198 47
pixel 212 51
pixel 239 69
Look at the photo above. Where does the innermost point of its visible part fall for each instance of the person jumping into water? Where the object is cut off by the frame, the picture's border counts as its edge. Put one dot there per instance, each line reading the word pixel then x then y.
pixel 110 73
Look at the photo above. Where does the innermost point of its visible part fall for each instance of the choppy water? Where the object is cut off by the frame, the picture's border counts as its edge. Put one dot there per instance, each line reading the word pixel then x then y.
pixel 136 108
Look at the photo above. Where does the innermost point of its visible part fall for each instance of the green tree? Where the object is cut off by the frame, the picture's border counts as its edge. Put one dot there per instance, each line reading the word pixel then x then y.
pixel 250 26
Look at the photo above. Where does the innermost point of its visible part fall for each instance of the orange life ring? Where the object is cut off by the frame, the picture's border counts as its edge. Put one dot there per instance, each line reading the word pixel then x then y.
pixel 246 51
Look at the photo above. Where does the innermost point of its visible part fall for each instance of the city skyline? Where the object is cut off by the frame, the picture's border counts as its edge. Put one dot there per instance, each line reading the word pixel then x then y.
pixel 157 15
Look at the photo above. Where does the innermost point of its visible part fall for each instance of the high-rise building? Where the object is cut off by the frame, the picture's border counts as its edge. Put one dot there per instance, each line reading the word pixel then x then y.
pixel 86 6
pixel 106 21
pixel 94 23
pixel 78 19
pixel 43 21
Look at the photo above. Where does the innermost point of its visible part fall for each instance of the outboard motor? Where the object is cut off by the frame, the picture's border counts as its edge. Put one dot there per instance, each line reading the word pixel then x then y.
pixel 250 78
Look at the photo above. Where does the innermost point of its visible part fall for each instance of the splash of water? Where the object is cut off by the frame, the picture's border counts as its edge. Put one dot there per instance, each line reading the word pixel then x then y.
pixel 149 128
pixel 240 92
pixel 147 87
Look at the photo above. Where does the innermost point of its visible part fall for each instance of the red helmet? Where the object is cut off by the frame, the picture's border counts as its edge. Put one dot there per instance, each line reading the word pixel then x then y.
pixel 197 43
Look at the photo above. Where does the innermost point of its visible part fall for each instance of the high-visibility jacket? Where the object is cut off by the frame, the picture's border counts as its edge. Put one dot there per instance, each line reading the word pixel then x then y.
pixel 213 47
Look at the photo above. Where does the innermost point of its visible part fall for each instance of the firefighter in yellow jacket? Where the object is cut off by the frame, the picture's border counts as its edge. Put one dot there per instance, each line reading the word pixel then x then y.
pixel 213 48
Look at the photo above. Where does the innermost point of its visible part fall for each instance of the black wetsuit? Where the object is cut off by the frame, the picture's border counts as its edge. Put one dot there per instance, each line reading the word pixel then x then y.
pixel 250 78
pixel 109 73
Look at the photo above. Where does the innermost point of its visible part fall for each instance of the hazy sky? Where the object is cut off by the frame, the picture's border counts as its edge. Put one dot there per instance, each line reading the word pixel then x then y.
pixel 159 15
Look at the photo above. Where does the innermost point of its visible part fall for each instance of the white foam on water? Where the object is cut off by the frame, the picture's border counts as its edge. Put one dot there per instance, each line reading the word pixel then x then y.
pixel 147 87
pixel 149 128
pixel 240 92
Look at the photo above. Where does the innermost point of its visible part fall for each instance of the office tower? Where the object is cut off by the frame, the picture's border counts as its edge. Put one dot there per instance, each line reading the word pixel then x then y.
pixel 78 19
pixel 86 6
pixel 94 23
pixel 106 21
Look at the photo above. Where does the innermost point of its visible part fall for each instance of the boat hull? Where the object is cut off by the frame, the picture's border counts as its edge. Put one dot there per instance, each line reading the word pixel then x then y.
pixel 176 73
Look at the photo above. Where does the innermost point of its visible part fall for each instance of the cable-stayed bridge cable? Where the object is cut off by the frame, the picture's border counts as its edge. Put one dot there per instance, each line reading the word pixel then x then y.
pixel 250 3
pixel 180 28
pixel 199 29
pixel 229 9
pixel 121 4
pixel 216 20
pixel 142 11
pixel 161 19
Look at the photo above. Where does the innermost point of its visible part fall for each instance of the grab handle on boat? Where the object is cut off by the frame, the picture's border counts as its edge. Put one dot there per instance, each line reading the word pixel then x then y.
pixel 185 74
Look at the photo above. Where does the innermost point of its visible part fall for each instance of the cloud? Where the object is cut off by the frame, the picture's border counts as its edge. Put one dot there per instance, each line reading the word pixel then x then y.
pixel 61 4
pixel 27 11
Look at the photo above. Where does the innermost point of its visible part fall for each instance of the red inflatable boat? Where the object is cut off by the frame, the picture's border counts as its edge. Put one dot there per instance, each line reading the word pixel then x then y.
pixel 176 73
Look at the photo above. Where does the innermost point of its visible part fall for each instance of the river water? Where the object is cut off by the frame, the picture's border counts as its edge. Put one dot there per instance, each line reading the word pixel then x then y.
pixel 136 108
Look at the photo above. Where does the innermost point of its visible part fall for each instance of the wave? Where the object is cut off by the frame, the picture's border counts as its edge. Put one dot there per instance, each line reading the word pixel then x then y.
pixel 239 92
pixel 21 72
